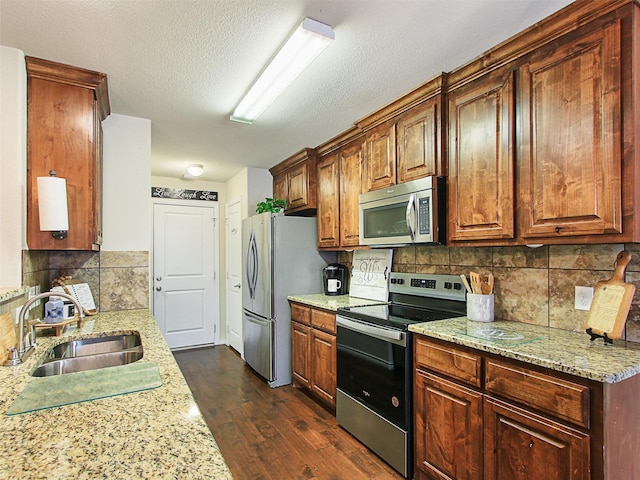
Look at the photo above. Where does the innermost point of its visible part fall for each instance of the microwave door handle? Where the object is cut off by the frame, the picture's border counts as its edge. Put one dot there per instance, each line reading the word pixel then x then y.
pixel 409 216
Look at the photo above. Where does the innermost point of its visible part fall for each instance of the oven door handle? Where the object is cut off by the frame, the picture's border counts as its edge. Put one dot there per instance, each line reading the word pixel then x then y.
pixel 385 333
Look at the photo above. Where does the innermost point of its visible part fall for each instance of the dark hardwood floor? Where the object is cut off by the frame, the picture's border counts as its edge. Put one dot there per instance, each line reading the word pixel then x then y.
pixel 272 434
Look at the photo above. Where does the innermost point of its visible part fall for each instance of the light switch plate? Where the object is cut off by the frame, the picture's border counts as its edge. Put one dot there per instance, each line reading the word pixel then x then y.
pixel 583 298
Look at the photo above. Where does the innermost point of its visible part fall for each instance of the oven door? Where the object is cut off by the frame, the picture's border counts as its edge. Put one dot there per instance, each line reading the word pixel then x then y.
pixel 373 368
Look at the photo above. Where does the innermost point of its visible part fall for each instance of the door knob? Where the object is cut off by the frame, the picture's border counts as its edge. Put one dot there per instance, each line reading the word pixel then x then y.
pixel 158 289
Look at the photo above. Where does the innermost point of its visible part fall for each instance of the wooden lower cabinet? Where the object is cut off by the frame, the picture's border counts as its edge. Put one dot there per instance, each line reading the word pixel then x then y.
pixel 520 445
pixel 313 352
pixel 498 424
pixel 323 366
pixel 300 341
pixel 448 425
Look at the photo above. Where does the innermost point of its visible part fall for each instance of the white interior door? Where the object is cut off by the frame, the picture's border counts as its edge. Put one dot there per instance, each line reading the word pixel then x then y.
pixel 234 276
pixel 184 281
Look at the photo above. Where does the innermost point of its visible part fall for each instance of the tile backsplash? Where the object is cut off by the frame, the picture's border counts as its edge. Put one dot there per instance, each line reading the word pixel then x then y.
pixel 118 280
pixel 532 285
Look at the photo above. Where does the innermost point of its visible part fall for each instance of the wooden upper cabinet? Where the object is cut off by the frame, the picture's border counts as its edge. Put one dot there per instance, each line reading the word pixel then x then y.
pixel 571 147
pixel 380 157
pixel 329 201
pixel 65 108
pixel 294 180
pixel 481 158
pixel 340 182
pixel 419 141
pixel 281 186
pixel 351 180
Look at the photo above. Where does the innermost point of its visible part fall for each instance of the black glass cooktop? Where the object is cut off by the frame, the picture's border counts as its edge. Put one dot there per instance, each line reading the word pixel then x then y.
pixel 395 316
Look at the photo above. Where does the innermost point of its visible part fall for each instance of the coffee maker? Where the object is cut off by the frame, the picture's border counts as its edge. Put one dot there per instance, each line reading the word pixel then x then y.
pixel 335 278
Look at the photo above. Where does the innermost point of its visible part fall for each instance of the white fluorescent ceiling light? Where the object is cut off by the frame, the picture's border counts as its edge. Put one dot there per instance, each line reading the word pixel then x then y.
pixel 306 43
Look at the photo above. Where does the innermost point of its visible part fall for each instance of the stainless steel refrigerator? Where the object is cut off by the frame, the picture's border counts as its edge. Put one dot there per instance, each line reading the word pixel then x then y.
pixel 280 258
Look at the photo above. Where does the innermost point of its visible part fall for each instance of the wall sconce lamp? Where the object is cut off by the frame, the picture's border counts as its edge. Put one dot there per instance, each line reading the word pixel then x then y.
pixel 194 170
pixel 52 205
pixel 304 45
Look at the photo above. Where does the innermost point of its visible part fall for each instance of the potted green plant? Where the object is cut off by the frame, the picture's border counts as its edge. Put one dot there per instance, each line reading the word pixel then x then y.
pixel 273 205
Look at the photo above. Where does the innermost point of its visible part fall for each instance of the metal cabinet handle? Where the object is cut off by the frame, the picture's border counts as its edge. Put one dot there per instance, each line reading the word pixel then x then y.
pixel 158 289
pixel 159 278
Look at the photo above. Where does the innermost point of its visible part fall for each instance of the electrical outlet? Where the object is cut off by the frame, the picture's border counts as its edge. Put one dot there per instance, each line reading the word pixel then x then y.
pixel 583 298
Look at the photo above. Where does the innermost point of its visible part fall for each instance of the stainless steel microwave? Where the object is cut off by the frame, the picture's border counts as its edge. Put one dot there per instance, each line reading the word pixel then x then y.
pixel 404 214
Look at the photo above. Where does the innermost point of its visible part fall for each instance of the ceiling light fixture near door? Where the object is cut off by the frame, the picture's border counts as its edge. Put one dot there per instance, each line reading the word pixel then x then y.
pixel 306 43
pixel 194 170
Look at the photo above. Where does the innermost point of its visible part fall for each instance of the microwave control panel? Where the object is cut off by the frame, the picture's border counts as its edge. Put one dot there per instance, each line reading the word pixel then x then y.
pixel 424 216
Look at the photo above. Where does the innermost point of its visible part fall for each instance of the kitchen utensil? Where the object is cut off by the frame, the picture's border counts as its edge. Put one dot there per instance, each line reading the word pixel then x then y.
pixel 475 283
pixel 611 302
pixel 465 282
pixel 491 282
pixel 7 335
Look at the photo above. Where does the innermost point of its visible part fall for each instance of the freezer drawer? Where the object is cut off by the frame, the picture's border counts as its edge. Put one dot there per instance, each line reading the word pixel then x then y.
pixel 258 335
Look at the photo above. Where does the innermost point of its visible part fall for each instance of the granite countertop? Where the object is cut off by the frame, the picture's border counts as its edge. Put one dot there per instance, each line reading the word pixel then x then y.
pixel 560 350
pixel 157 433
pixel 332 302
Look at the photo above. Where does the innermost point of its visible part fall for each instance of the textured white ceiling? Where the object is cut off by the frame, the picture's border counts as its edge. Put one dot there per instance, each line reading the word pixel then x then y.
pixel 184 64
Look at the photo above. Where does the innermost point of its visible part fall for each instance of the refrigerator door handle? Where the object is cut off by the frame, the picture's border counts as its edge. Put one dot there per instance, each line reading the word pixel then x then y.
pixel 254 280
pixel 250 267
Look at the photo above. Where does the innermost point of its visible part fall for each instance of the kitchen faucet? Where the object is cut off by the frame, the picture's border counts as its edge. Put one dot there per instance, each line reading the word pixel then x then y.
pixel 25 347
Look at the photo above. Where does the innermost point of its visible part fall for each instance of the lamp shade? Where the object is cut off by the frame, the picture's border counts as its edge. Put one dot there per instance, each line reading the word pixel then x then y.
pixel 52 204
pixel 195 170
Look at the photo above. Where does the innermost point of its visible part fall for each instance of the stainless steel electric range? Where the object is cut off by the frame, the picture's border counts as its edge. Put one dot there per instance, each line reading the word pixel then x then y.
pixel 375 351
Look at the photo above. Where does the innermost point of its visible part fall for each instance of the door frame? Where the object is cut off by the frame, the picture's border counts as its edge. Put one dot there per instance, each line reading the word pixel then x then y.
pixel 216 254
pixel 226 275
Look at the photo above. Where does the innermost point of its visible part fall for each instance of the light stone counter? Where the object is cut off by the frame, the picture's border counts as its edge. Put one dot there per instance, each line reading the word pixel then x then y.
pixel 560 350
pixel 156 433
pixel 331 302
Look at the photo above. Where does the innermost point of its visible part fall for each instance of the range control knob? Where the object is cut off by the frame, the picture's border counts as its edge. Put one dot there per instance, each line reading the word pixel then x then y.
pixel 399 281
pixel 447 285
pixel 457 286
pixel 393 280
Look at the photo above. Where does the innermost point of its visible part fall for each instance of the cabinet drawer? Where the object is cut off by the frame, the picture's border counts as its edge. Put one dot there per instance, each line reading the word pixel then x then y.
pixel 300 313
pixel 323 320
pixel 559 398
pixel 449 361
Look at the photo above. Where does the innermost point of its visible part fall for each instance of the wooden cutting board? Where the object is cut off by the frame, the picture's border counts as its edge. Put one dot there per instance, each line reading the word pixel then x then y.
pixel 7 335
pixel 611 302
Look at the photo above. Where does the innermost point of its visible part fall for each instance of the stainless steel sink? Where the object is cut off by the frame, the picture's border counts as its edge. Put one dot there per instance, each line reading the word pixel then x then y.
pixel 93 346
pixel 87 362
pixel 90 354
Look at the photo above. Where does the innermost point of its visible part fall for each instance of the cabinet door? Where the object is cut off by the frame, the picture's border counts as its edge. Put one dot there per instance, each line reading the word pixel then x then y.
pixel 300 355
pixel 448 428
pixel 281 187
pixel 520 445
pixel 298 191
pixel 61 137
pixel 323 365
pixel 481 131
pixel 351 179
pixel 380 157
pixel 571 137
pixel 419 146
pixel 329 201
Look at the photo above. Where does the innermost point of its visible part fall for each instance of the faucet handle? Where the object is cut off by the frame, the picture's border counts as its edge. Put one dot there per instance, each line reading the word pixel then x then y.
pixel 14 357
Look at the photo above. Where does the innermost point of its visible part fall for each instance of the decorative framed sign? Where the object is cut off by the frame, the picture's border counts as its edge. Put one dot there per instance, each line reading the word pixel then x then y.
pixel 184 194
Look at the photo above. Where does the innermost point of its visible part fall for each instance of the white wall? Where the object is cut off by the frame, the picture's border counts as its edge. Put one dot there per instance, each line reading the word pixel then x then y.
pixel 13 165
pixel 126 223
pixel 251 185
